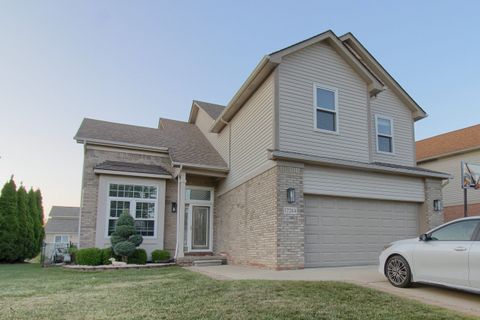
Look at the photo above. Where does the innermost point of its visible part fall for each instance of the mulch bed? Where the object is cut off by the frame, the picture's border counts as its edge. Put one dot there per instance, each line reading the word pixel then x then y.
pixel 112 267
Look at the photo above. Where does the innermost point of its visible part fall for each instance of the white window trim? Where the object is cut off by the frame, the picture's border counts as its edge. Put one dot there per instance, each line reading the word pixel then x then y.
pixel 203 203
pixel 133 206
pixel 379 116
pixel 61 235
pixel 315 108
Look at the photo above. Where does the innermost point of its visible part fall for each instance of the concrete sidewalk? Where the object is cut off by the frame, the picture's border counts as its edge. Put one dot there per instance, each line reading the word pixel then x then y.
pixel 365 276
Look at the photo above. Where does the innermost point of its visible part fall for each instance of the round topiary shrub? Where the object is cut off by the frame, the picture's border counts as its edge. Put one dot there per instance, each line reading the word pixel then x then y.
pixel 124 239
pixel 89 257
pixel 138 257
pixel 160 256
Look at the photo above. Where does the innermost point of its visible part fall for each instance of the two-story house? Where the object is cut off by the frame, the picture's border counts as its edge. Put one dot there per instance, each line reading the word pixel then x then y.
pixel 311 163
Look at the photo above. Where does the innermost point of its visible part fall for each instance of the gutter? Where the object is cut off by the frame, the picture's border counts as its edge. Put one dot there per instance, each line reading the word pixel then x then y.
pixel 199 166
pixel 332 162
pixel 127 145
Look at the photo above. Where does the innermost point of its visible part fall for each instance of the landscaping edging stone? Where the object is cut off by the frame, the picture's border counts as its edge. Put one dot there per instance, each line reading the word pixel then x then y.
pixel 112 267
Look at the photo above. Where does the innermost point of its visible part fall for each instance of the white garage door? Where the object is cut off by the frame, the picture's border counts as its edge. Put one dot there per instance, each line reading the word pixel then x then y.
pixel 350 231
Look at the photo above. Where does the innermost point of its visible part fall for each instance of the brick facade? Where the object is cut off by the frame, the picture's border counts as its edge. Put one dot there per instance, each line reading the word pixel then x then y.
pixel 456 212
pixel 251 227
pixel 290 226
pixel 429 218
pixel 90 184
pixel 245 222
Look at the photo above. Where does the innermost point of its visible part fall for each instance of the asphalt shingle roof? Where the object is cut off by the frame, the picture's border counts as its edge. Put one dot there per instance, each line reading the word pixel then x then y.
pixel 185 142
pixel 61 225
pixel 189 145
pixel 132 167
pixel 61 211
pixel 63 220
pixel 213 110
pixel 450 142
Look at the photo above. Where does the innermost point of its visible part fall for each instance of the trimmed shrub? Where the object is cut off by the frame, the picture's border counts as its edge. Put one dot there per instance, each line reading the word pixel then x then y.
pixel 138 257
pixel 107 253
pixel 136 239
pixel 124 239
pixel 160 256
pixel 89 257
pixel 72 250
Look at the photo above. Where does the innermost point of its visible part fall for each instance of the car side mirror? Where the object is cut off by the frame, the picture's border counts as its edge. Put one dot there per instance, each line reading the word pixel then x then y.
pixel 425 237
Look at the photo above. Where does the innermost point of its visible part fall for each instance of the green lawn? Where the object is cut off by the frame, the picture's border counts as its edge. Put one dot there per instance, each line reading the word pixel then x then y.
pixel 29 292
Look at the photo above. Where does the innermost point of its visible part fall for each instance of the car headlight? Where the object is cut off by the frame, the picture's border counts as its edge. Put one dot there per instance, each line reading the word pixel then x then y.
pixel 385 247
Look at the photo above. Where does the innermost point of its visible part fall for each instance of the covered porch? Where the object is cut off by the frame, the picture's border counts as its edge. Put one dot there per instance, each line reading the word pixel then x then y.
pixel 195 209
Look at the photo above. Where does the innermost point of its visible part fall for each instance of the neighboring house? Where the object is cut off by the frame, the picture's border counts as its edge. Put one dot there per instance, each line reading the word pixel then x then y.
pixel 62 225
pixel 321 119
pixel 445 153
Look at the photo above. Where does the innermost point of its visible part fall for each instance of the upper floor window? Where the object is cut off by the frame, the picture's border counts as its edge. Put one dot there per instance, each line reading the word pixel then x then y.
pixel 384 127
pixel 140 201
pixel 326 109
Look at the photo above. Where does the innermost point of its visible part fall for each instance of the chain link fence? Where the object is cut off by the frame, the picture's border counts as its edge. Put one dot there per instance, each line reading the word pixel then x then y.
pixel 55 254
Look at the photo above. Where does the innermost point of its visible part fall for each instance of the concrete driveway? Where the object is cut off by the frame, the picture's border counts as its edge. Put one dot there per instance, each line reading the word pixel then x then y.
pixel 365 276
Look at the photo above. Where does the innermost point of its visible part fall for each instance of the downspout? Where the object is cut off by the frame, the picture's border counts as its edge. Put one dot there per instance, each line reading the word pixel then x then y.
pixel 229 140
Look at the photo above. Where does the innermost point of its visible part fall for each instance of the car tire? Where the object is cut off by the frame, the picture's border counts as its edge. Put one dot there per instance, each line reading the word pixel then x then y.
pixel 398 272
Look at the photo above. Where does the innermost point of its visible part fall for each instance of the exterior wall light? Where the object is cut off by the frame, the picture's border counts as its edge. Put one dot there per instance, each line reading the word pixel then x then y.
pixel 437 205
pixel 291 195
pixel 174 207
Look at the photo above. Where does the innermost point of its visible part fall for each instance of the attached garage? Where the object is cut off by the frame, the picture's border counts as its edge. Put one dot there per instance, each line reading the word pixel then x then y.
pixel 341 231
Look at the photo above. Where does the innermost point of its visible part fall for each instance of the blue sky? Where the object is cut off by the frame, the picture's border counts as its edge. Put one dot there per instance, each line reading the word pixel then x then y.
pixel 136 61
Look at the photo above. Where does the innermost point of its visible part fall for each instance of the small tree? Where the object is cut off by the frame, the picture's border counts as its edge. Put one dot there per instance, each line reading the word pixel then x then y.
pixel 40 235
pixel 25 228
pixel 35 222
pixel 9 239
pixel 124 239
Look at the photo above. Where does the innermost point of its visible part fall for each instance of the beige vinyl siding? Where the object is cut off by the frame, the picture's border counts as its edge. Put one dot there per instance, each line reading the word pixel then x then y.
pixel 218 141
pixel 252 135
pixel 362 184
pixel 298 72
pixel 388 104
pixel 452 192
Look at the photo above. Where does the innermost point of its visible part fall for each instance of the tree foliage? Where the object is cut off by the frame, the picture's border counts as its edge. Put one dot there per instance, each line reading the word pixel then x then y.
pixel 124 239
pixel 21 223
pixel 9 250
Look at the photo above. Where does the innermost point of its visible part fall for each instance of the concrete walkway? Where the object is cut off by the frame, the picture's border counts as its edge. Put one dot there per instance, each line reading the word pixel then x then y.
pixel 365 276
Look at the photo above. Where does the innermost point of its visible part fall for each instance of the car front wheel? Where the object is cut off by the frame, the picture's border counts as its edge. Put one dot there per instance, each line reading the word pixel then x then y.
pixel 398 272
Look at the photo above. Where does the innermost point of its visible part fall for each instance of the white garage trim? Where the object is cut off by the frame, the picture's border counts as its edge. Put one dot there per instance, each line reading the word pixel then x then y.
pixel 362 184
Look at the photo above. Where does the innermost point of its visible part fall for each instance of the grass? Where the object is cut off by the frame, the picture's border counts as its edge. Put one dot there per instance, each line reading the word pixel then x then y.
pixel 30 292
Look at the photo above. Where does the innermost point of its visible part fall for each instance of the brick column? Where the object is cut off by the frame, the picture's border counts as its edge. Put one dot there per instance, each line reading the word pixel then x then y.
pixel 290 217
pixel 428 217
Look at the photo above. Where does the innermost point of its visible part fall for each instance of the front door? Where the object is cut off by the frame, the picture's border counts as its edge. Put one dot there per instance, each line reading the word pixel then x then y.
pixel 200 227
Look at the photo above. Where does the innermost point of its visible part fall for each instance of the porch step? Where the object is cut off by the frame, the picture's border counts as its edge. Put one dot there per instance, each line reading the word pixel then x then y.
pixel 207 263
pixel 188 261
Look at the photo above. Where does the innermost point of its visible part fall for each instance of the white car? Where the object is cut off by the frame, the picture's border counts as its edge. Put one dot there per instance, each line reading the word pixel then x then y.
pixel 448 255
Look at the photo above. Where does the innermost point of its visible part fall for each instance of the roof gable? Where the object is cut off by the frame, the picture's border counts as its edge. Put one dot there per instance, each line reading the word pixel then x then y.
pixel 211 109
pixel 348 47
pixel 374 85
pixel 369 61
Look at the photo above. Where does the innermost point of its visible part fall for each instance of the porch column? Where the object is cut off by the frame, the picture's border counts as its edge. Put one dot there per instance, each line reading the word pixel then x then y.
pixel 180 214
